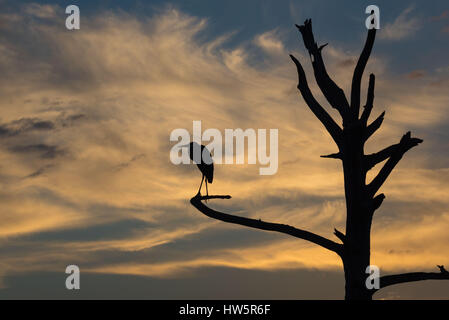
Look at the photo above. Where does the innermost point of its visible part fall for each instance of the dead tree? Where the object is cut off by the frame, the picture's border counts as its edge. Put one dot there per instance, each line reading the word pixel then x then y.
pixel 362 198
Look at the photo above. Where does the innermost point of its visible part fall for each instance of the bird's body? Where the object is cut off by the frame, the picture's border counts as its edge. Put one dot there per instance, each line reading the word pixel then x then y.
pixel 204 162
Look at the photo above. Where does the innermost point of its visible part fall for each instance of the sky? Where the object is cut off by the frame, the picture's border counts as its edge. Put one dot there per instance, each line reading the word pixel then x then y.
pixel 85 172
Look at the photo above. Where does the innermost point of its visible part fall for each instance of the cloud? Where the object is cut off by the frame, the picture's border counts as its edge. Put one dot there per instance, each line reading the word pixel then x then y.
pixel 294 11
pixel 402 27
pixel 90 126
pixel 416 74
pixel 444 15
pixel 128 163
pixel 39 172
pixel 17 127
pixel 270 42
pixel 43 11
pixel 44 150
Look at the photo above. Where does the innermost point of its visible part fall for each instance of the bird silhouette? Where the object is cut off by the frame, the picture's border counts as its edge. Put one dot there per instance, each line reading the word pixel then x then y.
pixel 203 161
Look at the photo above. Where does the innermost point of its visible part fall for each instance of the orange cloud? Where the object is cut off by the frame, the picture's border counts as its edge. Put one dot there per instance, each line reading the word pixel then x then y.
pixel 114 91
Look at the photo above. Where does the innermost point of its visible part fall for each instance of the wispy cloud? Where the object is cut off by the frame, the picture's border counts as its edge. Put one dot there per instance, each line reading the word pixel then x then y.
pixel 270 42
pixel 43 11
pixel 416 74
pixel 402 27
pixel 93 103
pixel 444 15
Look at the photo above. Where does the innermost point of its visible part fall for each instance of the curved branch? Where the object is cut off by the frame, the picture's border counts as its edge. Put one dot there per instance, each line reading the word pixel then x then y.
pixel 358 72
pixel 390 280
pixel 333 93
pixel 196 201
pixel 329 123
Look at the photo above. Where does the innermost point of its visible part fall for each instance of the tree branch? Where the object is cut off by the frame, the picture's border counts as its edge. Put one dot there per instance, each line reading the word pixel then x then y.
pixel 377 201
pixel 340 235
pixel 333 156
pixel 196 201
pixel 374 126
pixel 329 123
pixel 369 100
pixel 214 197
pixel 358 72
pixel 331 91
pixel 406 143
pixel 372 159
pixel 390 280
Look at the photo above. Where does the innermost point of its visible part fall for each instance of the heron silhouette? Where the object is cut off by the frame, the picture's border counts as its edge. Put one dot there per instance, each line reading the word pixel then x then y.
pixel 204 162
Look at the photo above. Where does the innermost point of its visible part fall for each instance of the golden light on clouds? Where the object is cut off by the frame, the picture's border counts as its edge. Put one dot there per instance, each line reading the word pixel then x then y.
pixel 115 90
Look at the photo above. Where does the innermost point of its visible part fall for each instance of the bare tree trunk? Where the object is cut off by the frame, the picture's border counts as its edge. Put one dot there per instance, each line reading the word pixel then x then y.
pixel 356 252
pixel 361 198
pixel 355 276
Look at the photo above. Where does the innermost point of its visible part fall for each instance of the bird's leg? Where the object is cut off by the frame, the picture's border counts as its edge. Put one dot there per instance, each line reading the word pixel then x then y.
pixel 207 192
pixel 199 190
